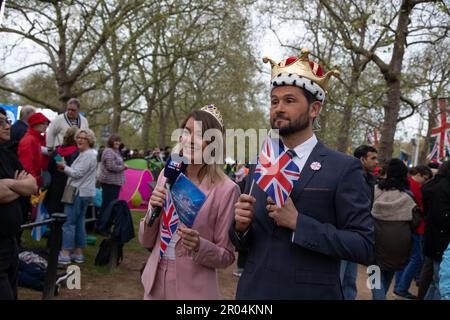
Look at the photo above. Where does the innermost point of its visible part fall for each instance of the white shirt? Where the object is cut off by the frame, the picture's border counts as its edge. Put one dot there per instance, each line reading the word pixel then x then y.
pixel 170 250
pixel 303 152
pixel 58 127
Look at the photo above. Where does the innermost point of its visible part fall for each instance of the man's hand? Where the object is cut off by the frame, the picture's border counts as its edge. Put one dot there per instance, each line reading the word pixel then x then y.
pixel 285 216
pixel 24 184
pixel 244 212
pixel 190 238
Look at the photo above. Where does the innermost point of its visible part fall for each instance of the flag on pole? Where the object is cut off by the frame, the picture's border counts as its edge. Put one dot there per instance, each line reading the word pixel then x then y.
pixel 372 138
pixel 276 172
pixel 41 215
pixel 440 135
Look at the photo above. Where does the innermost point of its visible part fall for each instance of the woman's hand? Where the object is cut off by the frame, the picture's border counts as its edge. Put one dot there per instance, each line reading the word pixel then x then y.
pixel 158 197
pixel 190 238
pixel 61 165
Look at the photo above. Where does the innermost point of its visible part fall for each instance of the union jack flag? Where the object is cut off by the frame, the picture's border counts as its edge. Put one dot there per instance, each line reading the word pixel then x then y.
pixel 276 172
pixel 440 136
pixel 169 224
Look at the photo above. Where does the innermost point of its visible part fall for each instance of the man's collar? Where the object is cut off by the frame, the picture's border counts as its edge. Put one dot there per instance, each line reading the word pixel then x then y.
pixel 67 116
pixel 306 147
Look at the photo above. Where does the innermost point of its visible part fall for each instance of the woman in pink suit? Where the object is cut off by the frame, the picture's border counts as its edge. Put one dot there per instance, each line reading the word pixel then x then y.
pixel 186 267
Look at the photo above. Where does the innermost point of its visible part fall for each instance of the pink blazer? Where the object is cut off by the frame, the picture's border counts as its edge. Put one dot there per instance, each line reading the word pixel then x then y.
pixel 196 276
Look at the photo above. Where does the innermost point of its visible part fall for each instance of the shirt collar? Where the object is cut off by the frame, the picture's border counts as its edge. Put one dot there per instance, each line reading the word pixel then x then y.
pixel 305 148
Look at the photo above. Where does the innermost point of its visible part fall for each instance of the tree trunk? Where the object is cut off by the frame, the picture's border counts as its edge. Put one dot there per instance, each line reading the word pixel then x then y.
pixel 116 103
pixel 162 126
pixel 117 96
pixel 64 92
pixel 391 111
pixel 357 68
pixel 344 129
pixel 146 127
pixel 64 86
pixel 392 77
pixel 151 98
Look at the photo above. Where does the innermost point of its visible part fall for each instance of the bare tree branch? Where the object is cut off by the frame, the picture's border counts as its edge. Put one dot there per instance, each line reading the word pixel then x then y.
pixel 24 68
pixel 22 94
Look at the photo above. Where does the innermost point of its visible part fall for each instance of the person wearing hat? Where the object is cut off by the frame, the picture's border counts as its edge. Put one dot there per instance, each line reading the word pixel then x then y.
pixel 29 151
pixel 295 251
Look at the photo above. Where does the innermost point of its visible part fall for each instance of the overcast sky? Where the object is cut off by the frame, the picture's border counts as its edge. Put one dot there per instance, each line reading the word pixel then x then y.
pixel 265 41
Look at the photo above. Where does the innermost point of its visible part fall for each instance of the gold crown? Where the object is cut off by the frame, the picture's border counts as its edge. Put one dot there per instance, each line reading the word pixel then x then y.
pixel 212 110
pixel 302 68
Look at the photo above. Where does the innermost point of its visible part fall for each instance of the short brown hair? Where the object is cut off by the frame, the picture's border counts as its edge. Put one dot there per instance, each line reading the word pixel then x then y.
pixel 113 138
pixel 69 136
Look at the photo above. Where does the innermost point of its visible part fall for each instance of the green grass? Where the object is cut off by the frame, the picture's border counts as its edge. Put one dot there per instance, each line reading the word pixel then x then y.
pixel 89 269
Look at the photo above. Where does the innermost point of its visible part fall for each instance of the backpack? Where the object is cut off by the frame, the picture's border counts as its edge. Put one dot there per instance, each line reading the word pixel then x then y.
pixel 109 247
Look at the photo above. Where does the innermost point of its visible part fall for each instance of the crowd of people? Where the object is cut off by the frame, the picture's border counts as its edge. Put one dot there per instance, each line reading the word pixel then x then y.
pixel 57 158
pixel 403 224
pixel 296 240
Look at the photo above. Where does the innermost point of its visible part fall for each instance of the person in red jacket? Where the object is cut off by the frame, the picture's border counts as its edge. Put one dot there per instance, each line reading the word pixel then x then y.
pixel 418 176
pixel 29 151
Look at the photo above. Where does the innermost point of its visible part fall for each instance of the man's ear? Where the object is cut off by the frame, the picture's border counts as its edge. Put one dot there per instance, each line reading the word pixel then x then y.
pixel 315 109
pixel 363 159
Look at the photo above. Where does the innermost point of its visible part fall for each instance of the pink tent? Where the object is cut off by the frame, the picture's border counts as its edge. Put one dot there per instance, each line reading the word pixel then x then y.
pixel 136 190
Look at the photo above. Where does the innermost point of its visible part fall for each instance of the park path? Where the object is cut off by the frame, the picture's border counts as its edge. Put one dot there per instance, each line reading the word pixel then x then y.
pixel 125 284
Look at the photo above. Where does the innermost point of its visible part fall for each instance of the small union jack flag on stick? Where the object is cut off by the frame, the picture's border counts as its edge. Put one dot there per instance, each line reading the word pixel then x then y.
pixel 276 172
pixel 169 224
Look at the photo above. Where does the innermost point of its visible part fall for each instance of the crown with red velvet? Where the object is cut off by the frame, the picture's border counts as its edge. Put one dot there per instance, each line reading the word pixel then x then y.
pixel 301 72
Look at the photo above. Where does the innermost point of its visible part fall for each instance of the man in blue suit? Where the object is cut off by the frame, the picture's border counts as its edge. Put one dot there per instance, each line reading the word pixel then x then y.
pixel 295 251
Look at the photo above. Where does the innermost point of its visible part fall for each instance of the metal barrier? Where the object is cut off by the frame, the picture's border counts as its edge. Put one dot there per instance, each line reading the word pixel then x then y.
pixel 55 222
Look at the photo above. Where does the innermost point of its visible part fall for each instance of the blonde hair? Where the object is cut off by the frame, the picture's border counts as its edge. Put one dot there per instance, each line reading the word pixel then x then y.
pixel 89 135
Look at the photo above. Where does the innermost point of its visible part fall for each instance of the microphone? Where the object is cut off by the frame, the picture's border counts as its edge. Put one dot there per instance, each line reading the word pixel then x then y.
pixel 172 170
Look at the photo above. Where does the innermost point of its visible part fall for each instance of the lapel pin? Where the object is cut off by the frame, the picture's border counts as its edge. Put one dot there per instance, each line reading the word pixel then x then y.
pixel 316 166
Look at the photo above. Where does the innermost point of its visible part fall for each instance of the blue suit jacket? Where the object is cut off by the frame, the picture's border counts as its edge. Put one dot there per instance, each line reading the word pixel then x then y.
pixel 334 224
